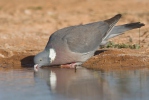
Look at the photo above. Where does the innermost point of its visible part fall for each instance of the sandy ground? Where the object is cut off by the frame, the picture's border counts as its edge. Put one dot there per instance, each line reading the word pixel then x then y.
pixel 25 26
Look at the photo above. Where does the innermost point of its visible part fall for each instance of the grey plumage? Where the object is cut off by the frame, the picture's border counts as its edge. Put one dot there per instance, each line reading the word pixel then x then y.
pixel 76 44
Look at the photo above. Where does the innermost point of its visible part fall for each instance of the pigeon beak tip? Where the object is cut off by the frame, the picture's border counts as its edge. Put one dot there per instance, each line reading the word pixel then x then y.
pixel 36 67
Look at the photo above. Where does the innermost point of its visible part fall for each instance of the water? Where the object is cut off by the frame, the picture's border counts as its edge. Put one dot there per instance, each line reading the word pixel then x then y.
pixel 66 84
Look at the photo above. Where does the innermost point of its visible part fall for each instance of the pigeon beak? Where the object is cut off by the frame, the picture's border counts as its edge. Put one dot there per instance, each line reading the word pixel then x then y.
pixel 36 67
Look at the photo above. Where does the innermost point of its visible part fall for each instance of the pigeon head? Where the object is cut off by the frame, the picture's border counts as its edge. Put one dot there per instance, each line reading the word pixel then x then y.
pixel 44 58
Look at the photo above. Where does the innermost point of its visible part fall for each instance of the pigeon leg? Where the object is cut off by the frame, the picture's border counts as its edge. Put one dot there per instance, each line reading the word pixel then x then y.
pixel 71 65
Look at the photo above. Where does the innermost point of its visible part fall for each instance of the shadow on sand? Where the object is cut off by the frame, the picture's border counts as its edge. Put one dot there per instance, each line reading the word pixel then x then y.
pixel 27 61
pixel 98 52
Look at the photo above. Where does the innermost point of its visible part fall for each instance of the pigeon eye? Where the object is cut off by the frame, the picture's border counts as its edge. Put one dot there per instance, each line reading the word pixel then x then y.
pixel 40 60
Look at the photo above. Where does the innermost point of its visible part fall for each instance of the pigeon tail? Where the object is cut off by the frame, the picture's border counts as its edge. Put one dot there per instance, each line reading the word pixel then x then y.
pixel 120 29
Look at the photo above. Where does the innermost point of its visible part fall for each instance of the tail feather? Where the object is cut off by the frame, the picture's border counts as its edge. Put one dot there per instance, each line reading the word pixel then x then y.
pixel 120 29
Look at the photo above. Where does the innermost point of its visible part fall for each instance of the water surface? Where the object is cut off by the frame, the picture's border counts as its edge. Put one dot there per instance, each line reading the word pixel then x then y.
pixel 66 84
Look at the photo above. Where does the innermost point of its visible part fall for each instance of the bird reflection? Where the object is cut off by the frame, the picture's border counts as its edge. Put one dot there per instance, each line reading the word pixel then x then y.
pixel 83 84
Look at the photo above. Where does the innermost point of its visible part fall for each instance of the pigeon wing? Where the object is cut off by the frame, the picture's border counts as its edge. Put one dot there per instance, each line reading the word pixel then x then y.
pixel 86 38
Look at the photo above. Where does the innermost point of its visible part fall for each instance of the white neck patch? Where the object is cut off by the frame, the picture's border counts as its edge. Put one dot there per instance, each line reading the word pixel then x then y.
pixel 52 54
